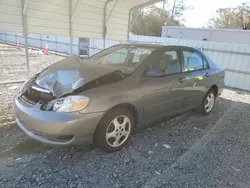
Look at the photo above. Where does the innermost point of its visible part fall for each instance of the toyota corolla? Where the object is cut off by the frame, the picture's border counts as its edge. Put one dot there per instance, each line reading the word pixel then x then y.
pixel 103 98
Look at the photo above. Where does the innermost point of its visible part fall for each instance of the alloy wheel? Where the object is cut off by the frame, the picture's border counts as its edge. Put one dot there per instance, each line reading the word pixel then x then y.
pixel 118 131
pixel 209 103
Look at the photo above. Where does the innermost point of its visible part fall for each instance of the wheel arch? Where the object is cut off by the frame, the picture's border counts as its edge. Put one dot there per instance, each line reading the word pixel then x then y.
pixel 128 106
pixel 215 88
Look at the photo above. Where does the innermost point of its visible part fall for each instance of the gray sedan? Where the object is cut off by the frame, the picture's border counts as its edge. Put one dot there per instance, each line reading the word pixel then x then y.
pixel 103 98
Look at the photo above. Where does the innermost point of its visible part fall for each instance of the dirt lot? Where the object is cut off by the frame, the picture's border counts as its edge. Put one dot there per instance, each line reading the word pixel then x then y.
pixel 13 68
pixel 187 151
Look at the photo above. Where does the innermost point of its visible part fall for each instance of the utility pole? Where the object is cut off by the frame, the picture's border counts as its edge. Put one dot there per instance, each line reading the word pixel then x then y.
pixel 173 10
pixel 163 10
pixel 163 6
pixel 70 29
pixel 25 33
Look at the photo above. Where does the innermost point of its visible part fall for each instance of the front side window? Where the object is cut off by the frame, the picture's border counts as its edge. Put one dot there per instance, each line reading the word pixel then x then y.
pixel 126 59
pixel 169 62
pixel 193 61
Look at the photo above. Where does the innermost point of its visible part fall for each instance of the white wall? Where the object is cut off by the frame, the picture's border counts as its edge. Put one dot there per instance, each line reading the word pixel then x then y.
pixel 10 15
pixel 53 17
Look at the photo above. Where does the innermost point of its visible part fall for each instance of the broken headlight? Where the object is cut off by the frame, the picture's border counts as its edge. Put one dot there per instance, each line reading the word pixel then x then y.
pixel 71 104
pixel 26 84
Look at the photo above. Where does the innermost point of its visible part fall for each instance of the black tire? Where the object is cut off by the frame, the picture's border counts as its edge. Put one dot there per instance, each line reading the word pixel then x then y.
pixel 203 109
pixel 101 130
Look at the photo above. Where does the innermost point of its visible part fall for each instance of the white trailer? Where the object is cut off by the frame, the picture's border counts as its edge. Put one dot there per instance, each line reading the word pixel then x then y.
pixel 231 36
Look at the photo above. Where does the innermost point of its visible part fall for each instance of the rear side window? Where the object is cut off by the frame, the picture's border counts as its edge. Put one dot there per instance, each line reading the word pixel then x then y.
pixel 193 61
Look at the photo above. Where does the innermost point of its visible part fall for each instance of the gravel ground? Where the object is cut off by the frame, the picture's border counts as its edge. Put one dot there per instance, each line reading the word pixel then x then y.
pixel 13 68
pixel 187 151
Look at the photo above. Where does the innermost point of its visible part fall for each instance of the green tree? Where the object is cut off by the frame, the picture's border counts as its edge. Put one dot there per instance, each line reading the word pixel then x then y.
pixel 232 18
pixel 149 20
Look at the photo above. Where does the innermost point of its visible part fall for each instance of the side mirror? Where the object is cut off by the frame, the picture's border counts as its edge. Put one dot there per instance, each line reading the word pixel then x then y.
pixel 155 73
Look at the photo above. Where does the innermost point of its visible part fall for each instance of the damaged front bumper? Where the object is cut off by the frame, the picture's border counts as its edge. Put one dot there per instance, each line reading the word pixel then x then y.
pixel 55 128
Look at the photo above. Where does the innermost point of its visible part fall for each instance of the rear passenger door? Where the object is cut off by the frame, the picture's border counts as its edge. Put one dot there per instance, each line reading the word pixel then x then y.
pixel 196 72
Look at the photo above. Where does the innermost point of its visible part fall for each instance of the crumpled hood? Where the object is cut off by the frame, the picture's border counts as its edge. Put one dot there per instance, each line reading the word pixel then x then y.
pixel 70 74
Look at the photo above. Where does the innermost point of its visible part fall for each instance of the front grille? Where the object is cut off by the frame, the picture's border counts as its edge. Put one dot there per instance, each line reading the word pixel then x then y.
pixel 23 99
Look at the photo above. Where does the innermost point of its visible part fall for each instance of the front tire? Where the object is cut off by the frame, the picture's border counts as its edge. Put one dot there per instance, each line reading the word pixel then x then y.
pixel 208 102
pixel 114 130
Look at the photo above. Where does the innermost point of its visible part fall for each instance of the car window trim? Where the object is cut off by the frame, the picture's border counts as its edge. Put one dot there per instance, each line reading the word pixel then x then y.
pixel 193 50
pixel 204 59
pixel 178 56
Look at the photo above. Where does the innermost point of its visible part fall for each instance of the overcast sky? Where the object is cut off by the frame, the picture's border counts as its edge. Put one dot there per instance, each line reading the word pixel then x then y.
pixel 204 9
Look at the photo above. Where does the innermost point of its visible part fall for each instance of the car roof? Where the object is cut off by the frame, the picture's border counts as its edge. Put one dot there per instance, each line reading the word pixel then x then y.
pixel 153 45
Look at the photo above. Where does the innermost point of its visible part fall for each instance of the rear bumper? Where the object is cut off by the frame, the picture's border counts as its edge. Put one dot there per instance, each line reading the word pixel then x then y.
pixel 56 128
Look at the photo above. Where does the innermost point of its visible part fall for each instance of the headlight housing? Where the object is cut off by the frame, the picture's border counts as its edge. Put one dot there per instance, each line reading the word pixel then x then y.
pixel 71 104
pixel 24 86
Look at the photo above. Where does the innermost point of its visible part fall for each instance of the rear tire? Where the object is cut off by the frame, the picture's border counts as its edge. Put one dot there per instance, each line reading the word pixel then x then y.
pixel 208 102
pixel 114 130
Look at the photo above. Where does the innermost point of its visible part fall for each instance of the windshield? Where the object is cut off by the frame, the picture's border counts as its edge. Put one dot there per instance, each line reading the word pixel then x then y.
pixel 124 58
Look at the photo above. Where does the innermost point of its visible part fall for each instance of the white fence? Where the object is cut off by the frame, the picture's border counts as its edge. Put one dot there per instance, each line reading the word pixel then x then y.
pixel 59 44
pixel 96 45
pixel 235 58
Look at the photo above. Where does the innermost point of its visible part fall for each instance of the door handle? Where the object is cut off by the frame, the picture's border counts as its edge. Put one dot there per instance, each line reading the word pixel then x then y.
pixel 207 74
